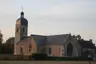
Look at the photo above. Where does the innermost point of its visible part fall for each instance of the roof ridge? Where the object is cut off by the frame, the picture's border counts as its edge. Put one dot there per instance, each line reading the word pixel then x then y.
pixel 36 35
pixel 59 35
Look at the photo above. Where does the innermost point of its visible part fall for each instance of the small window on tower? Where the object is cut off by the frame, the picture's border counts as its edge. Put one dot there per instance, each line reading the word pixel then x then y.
pixel 17 30
pixel 23 29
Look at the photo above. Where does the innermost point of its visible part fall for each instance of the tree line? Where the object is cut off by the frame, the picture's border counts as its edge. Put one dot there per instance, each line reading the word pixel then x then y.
pixel 8 46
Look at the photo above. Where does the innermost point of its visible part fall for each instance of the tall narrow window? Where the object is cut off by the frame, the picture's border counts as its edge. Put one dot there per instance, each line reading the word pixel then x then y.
pixel 49 50
pixel 23 29
pixel 30 47
pixel 21 50
pixel 63 51
pixel 17 30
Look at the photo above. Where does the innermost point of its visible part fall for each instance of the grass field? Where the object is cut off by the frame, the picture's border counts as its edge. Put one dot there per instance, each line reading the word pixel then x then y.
pixel 47 62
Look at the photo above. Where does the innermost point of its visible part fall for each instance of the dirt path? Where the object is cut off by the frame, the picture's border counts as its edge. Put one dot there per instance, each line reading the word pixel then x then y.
pixel 46 62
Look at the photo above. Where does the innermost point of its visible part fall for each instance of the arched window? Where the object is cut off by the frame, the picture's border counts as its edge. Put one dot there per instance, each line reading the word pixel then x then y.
pixel 49 50
pixel 30 47
pixel 63 51
pixel 17 30
pixel 23 29
pixel 21 50
pixel 69 49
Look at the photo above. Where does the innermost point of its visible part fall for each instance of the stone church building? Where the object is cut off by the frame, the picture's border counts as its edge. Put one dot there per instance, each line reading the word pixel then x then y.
pixel 52 45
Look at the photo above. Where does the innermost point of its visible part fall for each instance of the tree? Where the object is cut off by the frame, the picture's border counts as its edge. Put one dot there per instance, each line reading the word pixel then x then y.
pixel 1 37
pixel 10 40
pixel 8 46
pixel 1 40
pixel 78 37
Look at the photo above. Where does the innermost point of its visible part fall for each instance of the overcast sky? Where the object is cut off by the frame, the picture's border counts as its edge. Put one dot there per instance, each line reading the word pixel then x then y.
pixel 48 17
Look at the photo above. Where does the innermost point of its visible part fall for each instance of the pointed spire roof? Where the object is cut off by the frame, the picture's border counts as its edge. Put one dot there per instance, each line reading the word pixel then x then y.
pixel 22 13
pixel 23 21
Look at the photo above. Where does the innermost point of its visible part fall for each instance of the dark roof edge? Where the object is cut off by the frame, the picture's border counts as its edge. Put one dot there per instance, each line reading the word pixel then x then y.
pixel 49 35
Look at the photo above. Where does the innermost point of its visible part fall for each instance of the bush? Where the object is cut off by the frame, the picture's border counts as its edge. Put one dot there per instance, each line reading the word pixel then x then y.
pixel 84 58
pixel 43 56
pixel 6 58
pixel 38 56
pixel 62 58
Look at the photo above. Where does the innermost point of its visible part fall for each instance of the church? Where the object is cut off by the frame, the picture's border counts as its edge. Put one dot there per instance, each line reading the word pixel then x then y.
pixel 66 45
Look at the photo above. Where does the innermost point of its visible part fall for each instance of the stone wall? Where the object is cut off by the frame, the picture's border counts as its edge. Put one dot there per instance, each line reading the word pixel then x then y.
pixel 56 50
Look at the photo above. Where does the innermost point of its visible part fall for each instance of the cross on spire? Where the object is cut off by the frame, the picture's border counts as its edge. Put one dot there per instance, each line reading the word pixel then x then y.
pixel 22 8
pixel 22 13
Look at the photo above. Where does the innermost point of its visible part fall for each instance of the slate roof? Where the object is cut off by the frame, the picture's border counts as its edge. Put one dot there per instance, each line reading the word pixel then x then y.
pixel 24 41
pixel 53 39
pixel 39 39
pixel 57 39
pixel 23 21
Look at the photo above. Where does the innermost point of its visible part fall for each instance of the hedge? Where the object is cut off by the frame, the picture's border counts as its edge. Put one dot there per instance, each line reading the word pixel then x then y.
pixel 43 56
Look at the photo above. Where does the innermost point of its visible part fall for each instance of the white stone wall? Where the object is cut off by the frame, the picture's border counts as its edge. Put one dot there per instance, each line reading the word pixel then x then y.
pixel 25 46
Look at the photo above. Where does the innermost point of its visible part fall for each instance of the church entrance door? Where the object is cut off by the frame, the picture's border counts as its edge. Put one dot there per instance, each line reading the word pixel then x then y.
pixel 69 49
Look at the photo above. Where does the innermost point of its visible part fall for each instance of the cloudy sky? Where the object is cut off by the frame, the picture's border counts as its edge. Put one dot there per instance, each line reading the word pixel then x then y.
pixel 49 17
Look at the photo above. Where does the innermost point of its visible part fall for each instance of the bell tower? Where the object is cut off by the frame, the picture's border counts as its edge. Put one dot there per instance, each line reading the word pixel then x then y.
pixel 21 28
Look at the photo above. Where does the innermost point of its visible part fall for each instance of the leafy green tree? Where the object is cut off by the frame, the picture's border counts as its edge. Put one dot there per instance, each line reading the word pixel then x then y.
pixel 1 38
pixel 10 40
pixel 8 46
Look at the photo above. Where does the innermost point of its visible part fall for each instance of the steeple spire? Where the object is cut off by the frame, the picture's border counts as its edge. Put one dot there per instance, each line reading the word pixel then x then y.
pixel 22 13
pixel 22 8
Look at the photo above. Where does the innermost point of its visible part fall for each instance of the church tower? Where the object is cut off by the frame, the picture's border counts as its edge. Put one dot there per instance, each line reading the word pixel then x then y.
pixel 1 37
pixel 21 28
